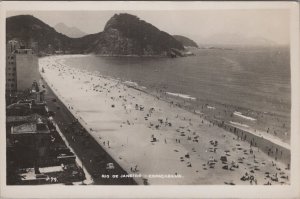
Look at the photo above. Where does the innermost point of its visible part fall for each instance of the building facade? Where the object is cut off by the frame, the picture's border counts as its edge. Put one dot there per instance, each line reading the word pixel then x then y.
pixel 26 70
pixel 11 73
pixel 21 68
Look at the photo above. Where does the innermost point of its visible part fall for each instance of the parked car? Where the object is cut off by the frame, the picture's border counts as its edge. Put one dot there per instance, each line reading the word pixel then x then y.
pixel 110 166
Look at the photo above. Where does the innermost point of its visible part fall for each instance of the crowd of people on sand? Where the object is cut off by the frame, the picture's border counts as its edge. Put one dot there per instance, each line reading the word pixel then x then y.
pixel 184 133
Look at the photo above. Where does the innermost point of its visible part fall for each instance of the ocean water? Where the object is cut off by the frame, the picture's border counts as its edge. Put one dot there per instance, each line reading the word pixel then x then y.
pixel 254 78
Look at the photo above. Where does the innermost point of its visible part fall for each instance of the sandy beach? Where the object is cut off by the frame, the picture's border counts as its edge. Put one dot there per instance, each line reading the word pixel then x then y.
pixel 155 138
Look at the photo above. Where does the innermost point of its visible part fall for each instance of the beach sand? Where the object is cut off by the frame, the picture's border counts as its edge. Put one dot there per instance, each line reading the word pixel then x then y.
pixel 152 137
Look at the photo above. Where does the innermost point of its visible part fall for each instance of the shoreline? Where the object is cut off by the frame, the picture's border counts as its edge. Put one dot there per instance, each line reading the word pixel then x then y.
pixel 276 124
pixel 119 86
pixel 274 141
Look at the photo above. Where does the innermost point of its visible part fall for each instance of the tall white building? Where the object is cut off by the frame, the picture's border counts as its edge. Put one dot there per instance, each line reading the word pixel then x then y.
pixel 21 68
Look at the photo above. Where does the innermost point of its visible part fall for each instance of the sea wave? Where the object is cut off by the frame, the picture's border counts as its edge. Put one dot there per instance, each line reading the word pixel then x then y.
pixel 239 114
pixel 130 83
pixel 181 95
pixel 135 85
pixel 239 124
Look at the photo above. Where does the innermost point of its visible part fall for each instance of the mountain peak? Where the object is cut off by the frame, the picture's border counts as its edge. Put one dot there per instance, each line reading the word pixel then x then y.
pixel 134 36
pixel 122 18
pixel 72 32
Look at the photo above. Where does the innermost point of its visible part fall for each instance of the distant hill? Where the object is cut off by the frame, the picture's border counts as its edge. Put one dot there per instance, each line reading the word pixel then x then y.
pixel 236 39
pixel 72 32
pixel 123 34
pixel 185 41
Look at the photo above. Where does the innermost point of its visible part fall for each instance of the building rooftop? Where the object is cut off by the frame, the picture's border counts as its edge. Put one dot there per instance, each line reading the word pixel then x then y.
pixel 28 118
pixel 26 107
pixel 23 51
pixel 30 128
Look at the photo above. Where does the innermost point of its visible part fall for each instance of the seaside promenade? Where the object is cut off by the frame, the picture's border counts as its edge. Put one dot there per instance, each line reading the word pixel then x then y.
pixel 93 157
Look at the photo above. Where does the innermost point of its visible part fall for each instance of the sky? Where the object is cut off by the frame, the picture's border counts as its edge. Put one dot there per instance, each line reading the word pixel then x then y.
pixel 199 25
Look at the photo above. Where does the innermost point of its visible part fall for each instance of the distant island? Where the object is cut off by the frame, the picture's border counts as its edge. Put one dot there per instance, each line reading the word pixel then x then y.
pixel 123 35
